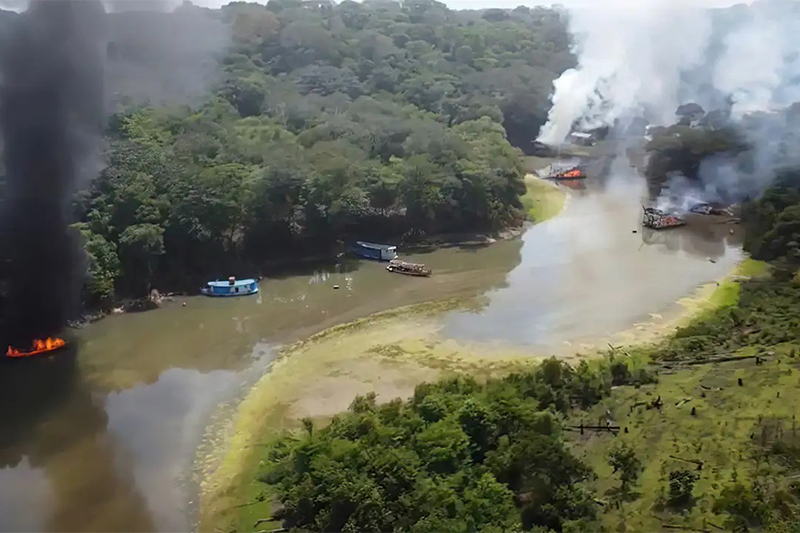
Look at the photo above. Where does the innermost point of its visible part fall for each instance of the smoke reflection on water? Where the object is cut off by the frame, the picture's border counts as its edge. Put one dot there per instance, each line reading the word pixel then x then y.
pixel 85 459
pixel 53 438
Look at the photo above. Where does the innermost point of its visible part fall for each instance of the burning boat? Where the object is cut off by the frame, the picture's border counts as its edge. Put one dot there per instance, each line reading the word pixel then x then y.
pixel 409 269
pixel 656 219
pixel 38 347
pixel 568 173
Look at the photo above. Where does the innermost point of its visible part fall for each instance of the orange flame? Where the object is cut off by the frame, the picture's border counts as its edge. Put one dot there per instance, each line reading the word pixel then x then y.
pixel 574 173
pixel 38 346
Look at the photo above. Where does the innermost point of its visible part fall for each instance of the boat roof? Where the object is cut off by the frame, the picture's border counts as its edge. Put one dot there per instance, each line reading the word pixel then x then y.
pixel 405 263
pixel 226 283
pixel 376 246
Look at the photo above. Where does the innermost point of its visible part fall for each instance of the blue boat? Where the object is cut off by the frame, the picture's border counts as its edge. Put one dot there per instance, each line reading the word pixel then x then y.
pixel 377 252
pixel 232 287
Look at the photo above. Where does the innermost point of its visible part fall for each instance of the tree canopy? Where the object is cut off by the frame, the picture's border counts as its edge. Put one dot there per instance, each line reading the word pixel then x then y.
pixel 372 120
pixel 458 456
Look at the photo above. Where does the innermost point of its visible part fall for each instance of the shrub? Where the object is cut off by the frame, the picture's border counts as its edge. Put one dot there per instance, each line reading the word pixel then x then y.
pixel 681 487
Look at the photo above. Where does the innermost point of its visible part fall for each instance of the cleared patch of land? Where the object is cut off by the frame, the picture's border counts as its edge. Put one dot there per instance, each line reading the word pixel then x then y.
pixel 721 420
pixel 724 434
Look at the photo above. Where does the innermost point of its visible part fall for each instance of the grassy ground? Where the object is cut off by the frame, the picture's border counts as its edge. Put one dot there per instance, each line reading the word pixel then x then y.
pixel 732 426
pixel 543 199
pixel 721 434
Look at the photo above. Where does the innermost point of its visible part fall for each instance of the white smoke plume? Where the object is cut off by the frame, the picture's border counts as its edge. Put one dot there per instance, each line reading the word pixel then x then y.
pixel 721 183
pixel 649 57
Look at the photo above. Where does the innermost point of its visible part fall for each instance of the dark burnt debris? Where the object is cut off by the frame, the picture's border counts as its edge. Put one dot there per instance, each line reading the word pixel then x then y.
pixel 710 209
pixel 656 219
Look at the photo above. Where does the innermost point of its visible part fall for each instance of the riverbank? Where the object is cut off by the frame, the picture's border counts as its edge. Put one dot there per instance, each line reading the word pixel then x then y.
pixel 706 299
pixel 543 199
pixel 730 423
pixel 700 440
pixel 389 354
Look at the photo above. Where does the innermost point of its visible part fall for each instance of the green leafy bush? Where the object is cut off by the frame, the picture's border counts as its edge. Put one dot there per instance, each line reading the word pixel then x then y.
pixel 458 456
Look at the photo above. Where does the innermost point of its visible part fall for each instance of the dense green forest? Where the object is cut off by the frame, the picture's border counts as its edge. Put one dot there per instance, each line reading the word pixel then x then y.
pixel 459 456
pixel 496 455
pixel 774 223
pixel 374 120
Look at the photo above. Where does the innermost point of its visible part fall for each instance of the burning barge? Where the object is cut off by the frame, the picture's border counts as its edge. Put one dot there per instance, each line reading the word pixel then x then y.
pixel 565 173
pixel 656 219
pixel 38 347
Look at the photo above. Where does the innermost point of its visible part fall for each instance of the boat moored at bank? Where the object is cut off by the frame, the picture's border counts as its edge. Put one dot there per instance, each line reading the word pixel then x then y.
pixel 376 252
pixel 231 287
pixel 409 269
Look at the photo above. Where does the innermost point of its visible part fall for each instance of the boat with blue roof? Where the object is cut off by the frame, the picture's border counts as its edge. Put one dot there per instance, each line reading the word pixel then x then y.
pixel 231 287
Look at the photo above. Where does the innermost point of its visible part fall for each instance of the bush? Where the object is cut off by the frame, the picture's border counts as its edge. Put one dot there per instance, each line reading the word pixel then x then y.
pixel 747 506
pixel 624 461
pixel 620 373
pixel 681 488
pixel 459 456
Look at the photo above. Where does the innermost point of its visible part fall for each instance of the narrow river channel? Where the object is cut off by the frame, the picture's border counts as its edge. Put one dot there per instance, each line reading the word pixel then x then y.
pixel 108 444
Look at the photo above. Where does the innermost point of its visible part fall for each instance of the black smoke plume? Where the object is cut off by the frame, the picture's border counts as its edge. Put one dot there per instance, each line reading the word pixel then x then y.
pixel 51 116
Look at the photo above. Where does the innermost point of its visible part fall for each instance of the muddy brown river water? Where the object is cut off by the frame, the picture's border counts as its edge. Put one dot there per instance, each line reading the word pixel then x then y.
pixel 103 439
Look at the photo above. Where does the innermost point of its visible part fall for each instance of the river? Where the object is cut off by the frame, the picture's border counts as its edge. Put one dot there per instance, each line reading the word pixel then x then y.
pixel 103 438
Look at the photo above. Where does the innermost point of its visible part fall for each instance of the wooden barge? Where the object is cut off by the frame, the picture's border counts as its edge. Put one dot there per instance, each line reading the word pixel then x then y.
pixel 409 269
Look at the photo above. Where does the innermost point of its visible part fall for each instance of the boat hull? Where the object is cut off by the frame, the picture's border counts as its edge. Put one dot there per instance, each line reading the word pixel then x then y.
pixel 207 292
pixel 409 269
pixel 665 225
pixel 408 273
pixel 564 178
pixel 40 354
